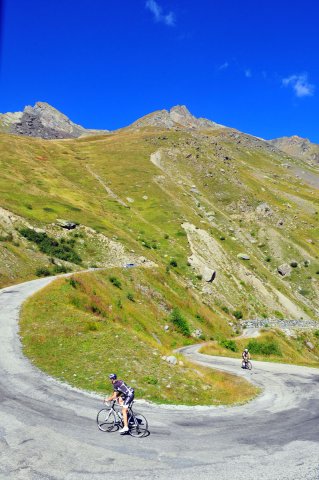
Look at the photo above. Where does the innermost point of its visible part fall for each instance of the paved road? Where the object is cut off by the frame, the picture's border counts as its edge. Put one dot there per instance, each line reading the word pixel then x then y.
pixel 48 430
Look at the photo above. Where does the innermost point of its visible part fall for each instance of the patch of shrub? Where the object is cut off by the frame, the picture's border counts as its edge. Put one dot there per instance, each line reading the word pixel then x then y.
pixel 166 236
pixel 74 283
pixel 116 282
pixel 92 327
pixel 50 246
pixel 304 292
pixel 225 309
pixel 173 263
pixel 150 380
pixel 268 259
pixel 130 297
pixel 60 269
pixel 265 347
pixel 179 322
pixel 238 314
pixel 229 344
pixel 42 272
pixel 316 333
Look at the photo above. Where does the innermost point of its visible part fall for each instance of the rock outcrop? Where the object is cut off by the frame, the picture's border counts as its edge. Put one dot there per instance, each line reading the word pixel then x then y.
pixel 42 121
pixel 178 116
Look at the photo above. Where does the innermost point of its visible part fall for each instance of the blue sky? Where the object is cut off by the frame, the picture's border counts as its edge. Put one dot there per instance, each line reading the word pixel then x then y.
pixel 252 65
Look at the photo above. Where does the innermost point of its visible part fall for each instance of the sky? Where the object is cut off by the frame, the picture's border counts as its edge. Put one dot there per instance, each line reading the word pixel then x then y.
pixel 251 65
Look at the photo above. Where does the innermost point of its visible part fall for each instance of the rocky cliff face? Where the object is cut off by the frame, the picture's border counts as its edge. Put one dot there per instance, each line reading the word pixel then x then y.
pixel 178 116
pixel 298 147
pixel 42 121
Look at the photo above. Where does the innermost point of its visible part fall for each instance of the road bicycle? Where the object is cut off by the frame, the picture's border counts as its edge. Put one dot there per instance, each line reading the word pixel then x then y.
pixel 110 419
pixel 246 365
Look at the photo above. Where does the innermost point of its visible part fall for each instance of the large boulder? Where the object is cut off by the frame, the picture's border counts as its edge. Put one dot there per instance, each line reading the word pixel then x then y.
pixel 284 269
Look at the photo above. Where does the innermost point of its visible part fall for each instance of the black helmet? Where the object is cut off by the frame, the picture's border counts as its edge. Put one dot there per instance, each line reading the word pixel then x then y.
pixel 112 376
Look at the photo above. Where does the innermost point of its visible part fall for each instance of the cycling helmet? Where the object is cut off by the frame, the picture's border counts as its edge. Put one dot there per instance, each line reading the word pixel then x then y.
pixel 246 350
pixel 113 376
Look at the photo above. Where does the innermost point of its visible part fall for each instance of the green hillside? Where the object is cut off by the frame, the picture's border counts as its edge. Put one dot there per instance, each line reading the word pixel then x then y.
pixel 166 195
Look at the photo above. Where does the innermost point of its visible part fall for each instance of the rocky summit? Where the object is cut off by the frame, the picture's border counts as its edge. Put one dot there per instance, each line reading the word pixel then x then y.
pixel 298 147
pixel 42 121
pixel 178 116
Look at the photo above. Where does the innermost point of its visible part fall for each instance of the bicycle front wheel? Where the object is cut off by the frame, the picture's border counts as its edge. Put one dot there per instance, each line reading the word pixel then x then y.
pixel 249 365
pixel 138 425
pixel 106 420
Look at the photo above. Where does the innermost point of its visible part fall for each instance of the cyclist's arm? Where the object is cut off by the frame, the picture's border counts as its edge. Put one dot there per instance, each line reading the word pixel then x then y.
pixel 112 397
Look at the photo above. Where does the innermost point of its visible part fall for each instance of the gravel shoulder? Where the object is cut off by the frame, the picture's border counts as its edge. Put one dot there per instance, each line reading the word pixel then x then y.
pixel 48 430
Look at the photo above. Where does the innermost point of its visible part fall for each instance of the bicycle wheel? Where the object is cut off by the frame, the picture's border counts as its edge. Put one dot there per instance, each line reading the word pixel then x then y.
pixel 249 365
pixel 106 420
pixel 138 425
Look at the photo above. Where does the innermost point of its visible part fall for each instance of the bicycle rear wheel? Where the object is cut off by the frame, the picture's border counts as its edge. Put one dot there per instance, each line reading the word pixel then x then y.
pixel 106 420
pixel 138 425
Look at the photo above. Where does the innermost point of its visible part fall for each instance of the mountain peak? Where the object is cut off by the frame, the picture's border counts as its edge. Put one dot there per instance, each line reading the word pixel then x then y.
pixel 42 121
pixel 177 117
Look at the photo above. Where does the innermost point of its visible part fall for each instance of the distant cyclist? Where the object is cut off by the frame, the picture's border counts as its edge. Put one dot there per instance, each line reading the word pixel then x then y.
pixel 125 396
pixel 246 357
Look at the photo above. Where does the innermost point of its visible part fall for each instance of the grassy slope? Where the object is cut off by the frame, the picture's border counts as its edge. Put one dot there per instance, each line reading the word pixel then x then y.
pixel 80 330
pixel 60 185
pixel 290 350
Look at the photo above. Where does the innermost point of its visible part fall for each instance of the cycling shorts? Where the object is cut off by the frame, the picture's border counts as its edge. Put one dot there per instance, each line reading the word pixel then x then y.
pixel 128 400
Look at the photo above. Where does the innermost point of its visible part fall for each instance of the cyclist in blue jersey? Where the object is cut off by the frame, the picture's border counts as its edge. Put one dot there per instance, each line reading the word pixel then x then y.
pixel 125 396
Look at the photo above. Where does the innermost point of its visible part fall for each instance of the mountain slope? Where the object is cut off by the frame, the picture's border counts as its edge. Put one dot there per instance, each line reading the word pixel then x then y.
pixel 190 201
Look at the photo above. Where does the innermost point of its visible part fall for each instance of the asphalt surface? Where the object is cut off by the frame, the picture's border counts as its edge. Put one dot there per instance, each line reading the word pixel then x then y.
pixel 48 430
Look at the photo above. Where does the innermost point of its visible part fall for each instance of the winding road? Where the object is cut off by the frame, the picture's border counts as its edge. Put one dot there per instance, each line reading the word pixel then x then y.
pixel 48 430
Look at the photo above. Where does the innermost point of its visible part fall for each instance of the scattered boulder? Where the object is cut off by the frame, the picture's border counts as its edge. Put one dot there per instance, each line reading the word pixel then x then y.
pixel 243 256
pixel 166 328
pixel 66 224
pixel 197 333
pixel 294 264
pixel 170 359
pixel 264 209
pixel 310 345
pixel 284 269
pixel 209 275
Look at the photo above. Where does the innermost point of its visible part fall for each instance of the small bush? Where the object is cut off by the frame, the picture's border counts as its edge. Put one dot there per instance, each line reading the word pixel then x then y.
pixel 130 297
pixel 173 263
pixel 150 380
pixel 268 259
pixel 225 309
pixel 316 333
pixel 116 282
pixel 266 347
pixel 42 272
pixel 74 283
pixel 238 314
pixel 92 327
pixel 60 269
pixel 229 344
pixel 179 322
pixel 166 236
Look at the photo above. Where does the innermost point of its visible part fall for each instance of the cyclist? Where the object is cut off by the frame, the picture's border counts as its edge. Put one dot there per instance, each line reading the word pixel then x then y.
pixel 125 396
pixel 246 357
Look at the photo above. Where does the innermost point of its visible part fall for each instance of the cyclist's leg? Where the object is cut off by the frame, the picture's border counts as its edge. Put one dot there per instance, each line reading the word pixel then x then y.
pixel 127 401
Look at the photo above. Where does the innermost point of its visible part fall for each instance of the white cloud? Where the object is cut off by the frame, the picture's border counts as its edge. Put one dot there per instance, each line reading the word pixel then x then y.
pixel 223 66
pixel 248 73
pixel 300 85
pixel 156 9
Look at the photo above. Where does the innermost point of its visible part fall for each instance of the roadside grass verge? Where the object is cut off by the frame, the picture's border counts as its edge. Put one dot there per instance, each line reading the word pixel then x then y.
pixel 81 328
pixel 272 346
